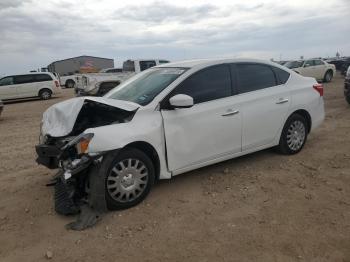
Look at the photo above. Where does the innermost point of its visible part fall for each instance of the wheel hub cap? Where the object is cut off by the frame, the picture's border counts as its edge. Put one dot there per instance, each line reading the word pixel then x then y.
pixel 296 135
pixel 127 180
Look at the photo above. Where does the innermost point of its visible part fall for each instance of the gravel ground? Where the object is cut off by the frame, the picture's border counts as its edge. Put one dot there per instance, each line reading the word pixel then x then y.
pixel 261 207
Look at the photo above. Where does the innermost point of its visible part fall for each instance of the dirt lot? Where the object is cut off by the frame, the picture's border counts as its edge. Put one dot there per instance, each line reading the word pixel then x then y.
pixel 261 207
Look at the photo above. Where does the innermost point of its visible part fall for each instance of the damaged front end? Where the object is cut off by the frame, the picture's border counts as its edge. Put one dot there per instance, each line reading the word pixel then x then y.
pixel 63 145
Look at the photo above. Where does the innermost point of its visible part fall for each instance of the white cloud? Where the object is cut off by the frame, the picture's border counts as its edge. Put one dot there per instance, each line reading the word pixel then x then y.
pixel 34 33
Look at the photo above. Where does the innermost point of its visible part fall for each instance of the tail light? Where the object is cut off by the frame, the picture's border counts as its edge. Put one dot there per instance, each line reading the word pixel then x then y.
pixel 57 84
pixel 318 88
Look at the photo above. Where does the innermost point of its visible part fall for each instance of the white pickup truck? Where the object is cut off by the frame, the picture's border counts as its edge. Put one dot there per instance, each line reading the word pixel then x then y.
pixel 98 84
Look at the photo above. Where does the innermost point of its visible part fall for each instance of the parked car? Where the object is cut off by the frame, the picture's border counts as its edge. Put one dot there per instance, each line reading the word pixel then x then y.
pixel 171 119
pixel 98 84
pixel 347 86
pixel 316 68
pixel 341 64
pixel 43 85
pixel 1 107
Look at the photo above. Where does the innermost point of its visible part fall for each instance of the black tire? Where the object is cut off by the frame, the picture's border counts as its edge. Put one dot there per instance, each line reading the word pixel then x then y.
pixel 70 84
pixel 45 94
pixel 110 162
pixel 328 76
pixel 285 146
pixel 347 98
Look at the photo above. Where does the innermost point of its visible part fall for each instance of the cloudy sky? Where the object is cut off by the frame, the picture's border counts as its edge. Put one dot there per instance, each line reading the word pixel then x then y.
pixel 34 33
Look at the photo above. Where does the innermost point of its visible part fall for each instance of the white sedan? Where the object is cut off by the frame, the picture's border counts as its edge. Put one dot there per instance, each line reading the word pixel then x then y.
pixel 171 119
pixel 316 68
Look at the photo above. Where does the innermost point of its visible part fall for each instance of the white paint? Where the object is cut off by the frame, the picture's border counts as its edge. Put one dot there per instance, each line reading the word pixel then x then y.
pixel 209 132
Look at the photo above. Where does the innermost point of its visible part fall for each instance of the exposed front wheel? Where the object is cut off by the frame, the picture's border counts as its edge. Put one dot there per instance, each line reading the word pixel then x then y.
pixel 294 135
pixel 45 94
pixel 130 176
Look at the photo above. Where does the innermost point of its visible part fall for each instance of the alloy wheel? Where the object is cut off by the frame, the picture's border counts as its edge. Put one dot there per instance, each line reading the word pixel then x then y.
pixel 296 135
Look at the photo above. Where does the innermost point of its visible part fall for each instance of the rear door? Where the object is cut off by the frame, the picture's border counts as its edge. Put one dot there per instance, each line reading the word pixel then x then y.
pixel 309 69
pixel 209 130
pixel 8 89
pixel 43 81
pixel 264 101
pixel 320 69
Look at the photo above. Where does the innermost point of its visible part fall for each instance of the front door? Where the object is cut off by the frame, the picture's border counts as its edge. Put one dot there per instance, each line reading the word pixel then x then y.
pixel 209 130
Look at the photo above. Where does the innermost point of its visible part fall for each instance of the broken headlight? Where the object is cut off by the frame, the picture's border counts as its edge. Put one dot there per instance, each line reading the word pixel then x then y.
pixel 83 144
pixel 80 142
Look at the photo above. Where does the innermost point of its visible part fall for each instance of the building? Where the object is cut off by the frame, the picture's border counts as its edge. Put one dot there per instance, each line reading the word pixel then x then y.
pixel 80 64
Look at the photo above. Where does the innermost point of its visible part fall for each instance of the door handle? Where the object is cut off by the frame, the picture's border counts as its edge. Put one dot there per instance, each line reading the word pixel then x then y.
pixel 231 112
pixel 282 101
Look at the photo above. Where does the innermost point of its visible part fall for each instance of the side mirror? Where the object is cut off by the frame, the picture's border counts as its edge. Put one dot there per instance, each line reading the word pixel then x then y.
pixel 181 101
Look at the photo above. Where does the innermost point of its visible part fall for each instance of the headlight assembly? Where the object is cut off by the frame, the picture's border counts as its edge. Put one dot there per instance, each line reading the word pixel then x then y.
pixel 81 142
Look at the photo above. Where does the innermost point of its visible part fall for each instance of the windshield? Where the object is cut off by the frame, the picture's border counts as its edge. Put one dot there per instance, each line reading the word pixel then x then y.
pixel 143 89
pixel 294 64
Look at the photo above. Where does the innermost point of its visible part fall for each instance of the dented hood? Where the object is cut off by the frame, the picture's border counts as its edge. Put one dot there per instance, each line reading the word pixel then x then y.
pixel 59 119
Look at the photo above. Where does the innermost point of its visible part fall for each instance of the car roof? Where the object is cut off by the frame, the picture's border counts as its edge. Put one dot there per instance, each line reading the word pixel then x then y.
pixel 30 73
pixel 208 62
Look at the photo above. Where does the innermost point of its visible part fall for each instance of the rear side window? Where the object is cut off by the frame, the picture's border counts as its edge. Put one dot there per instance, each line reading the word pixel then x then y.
pixel 208 84
pixel 42 77
pixel 319 62
pixel 281 75
pixel 6 81
pixel 24 79
pixel 309 63
pixel 252 77
pixel 147 64
pixel 163 61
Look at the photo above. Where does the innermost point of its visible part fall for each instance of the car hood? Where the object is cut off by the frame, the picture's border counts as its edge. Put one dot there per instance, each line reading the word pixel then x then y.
pixel 59 119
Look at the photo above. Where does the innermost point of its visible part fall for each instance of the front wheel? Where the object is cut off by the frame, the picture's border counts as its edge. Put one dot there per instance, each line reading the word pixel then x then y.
pixel 294 135
pixel 130 176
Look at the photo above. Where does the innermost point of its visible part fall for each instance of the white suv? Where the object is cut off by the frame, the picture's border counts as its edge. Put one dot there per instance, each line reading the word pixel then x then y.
pixel 171 119
pixel 43 85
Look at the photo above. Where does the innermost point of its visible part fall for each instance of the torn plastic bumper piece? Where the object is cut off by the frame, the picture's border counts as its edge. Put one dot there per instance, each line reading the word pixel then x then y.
pixel 47 155
pixel 64 203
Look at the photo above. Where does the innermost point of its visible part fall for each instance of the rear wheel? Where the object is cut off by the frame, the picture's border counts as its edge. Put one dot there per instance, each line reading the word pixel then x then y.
pixel 294 135
pixel 70 84
pixel 130 176
pixel 328 76
pixel 45 94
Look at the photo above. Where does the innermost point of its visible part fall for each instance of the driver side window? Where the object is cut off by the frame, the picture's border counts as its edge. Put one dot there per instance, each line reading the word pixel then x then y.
pixel 6 81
